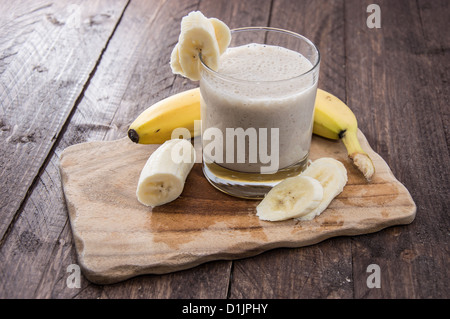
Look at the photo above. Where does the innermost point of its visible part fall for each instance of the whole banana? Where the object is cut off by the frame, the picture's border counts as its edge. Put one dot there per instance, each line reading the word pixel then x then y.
pixel 333 119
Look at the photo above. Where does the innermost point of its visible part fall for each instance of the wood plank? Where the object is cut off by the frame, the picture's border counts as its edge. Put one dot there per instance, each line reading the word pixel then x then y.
pixel 48 51
pixel 323 270
pixel 133 74
pixel 436 51
pixel 394 82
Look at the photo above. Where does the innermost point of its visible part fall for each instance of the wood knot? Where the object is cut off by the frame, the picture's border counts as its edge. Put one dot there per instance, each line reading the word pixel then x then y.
pixel 28 241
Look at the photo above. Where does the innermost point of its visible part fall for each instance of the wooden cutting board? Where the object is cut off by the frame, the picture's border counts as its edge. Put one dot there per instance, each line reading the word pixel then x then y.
pixel 117 238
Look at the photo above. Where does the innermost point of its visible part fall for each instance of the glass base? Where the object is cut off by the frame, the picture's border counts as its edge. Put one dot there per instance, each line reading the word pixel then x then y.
pixel 248 185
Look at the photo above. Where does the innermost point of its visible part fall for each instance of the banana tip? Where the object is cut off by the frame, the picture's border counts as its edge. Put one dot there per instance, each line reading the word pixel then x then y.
pixel 364 164
pixel 133 135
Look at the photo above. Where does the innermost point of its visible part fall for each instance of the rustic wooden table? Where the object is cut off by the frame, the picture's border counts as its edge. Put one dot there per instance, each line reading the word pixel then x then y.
pixel 82 71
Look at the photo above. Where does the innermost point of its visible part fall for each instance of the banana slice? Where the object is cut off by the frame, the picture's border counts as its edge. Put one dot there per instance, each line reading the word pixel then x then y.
pixel 332 175
pixel 329 160
pixel 223 34
pixel 163 176
pixel 199 35
pixel 292 198
pixel 175 61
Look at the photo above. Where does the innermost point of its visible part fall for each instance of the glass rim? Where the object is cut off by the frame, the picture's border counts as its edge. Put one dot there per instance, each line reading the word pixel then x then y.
pixel 294 34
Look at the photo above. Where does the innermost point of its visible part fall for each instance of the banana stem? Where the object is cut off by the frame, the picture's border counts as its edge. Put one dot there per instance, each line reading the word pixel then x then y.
pixel 359 157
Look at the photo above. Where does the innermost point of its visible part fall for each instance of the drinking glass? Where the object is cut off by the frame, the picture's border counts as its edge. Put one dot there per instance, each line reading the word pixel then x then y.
pixel 257 132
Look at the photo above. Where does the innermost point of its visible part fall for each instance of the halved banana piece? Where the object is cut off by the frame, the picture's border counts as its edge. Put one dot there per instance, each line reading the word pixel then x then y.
pixel 164 174
pixel 199 35
pixel 292 198
pixel 332 175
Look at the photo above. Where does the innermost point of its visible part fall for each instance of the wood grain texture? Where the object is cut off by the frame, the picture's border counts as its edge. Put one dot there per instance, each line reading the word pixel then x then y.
pixel 48 51
pixel 116 94
pixel 394 83
pixel 116 237
pixel 395 79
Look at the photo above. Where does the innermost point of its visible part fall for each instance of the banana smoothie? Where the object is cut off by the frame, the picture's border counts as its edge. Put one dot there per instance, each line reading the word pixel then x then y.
pixel 258 87
pixel 266 93
pixel 257 108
